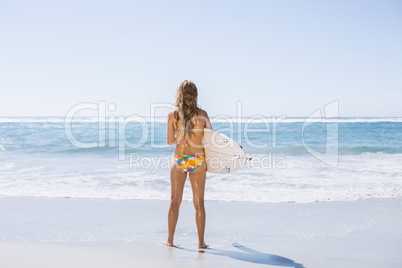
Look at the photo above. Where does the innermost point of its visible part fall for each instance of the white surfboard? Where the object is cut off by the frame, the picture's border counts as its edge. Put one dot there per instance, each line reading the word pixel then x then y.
pixel 222 154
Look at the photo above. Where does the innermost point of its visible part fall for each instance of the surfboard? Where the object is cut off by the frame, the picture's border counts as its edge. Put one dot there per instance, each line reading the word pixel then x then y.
pixel 222 154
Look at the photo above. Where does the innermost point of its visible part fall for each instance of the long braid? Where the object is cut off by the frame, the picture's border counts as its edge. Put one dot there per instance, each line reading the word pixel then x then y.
pixel 186 105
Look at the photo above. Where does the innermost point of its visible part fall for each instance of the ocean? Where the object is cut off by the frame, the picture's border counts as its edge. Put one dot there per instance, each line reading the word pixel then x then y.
pixel 293 160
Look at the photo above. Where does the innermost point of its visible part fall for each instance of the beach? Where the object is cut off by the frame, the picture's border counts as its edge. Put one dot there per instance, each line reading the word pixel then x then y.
pixel 101 100
pixel 295 204
pixel 49 232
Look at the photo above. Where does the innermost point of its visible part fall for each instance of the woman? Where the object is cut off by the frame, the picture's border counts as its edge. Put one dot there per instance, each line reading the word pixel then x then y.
pixel 185 128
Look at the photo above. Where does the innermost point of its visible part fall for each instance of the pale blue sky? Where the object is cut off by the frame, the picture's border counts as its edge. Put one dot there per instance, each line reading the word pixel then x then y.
pixel 277 57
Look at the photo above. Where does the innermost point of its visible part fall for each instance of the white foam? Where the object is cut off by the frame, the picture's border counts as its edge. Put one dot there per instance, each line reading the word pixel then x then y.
pixel 304 179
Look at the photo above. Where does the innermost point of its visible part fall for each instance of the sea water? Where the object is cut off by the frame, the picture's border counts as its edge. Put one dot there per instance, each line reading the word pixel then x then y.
pixel 293 159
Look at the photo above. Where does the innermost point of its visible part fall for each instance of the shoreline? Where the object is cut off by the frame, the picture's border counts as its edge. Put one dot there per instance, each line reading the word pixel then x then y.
pixel 90 232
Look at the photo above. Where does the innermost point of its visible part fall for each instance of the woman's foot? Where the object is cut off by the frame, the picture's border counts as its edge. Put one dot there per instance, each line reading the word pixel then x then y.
pixel 169 244
pixel 203 245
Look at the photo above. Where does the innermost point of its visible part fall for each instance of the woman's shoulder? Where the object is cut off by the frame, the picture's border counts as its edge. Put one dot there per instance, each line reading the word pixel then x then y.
pixel 170 115
pixel 202 112
pixel 203 115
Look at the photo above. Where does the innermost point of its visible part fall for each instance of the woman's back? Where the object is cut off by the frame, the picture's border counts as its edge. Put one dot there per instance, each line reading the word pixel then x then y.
pixel 189 142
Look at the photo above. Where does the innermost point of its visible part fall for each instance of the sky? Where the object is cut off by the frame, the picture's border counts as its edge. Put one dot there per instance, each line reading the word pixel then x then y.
pixel 273 57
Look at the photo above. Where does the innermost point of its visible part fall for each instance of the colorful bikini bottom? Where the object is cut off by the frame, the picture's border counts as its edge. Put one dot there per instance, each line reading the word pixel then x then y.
pixel 189 163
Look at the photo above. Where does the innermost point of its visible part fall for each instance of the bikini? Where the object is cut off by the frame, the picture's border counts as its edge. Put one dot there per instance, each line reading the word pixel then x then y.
pixel 188 163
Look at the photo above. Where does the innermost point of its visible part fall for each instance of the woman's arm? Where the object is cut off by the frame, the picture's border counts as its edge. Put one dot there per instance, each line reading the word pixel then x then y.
pixel 171 137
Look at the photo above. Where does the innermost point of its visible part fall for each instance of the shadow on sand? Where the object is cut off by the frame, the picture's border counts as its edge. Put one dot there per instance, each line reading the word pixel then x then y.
pixel 250 255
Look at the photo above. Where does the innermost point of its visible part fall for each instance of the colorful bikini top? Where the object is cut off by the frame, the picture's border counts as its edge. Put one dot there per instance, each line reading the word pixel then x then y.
pixel 182 134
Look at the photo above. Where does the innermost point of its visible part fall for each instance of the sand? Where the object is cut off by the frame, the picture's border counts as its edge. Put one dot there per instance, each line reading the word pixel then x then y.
pixel 48 232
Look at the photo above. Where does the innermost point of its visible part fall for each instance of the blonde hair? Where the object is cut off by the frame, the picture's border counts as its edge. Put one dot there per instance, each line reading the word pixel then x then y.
pixel 186 104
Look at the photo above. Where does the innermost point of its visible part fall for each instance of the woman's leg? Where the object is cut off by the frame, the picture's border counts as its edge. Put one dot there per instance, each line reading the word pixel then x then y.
pixel 177 180
pixel 197 179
